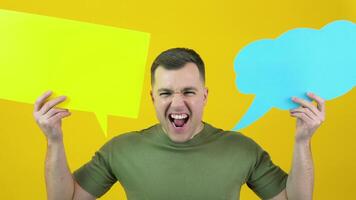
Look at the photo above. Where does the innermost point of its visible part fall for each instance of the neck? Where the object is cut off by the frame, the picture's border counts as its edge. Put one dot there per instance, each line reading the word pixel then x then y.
pixel 200 128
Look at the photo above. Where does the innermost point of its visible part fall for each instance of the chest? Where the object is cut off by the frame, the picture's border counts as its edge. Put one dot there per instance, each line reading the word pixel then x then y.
pixel 182 174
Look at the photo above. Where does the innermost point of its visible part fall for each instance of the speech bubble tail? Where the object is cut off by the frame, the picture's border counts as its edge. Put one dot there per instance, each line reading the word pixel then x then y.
pixel 257 109
pixel 103 121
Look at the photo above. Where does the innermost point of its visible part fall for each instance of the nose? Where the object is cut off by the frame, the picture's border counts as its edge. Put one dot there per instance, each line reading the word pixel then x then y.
pixel 177 100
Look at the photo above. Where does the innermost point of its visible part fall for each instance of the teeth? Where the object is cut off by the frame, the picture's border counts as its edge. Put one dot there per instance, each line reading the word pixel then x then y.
pixel 179 116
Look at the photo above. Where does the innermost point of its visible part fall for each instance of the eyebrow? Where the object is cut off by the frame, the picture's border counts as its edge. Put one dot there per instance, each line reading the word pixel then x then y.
pixel 169 90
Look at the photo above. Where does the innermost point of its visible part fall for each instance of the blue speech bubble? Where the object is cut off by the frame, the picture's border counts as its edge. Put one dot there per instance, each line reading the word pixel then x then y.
pixel 299 61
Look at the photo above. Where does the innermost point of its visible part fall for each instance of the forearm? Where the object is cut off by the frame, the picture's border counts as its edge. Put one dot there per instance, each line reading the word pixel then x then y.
pixel 300 183
pixel 59 180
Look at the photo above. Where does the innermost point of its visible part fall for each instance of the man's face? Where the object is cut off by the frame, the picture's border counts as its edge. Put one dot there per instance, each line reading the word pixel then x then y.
pixel 179 97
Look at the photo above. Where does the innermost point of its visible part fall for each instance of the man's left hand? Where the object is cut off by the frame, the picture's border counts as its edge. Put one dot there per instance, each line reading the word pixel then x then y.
pixel 309 117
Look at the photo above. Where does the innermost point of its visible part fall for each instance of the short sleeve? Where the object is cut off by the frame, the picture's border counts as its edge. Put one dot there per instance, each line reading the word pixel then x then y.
pixel 266 179
pixel 96 176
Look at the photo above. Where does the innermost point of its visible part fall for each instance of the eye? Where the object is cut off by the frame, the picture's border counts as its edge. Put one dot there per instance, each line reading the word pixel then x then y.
pixel 164 94
pixel 189 93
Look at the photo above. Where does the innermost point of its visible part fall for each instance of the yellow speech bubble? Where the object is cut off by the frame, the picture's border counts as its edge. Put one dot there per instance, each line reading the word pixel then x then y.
pixel 100 68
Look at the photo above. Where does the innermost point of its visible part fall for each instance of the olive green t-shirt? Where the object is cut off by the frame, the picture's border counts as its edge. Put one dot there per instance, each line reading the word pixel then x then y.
pixel 213 165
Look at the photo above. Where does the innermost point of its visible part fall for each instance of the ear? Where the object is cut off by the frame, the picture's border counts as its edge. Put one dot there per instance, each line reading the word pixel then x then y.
pixel 206 91
pixel 152 98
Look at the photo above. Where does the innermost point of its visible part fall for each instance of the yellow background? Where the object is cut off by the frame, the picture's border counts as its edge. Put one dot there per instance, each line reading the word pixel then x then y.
pixel 40 50
pixel 217 30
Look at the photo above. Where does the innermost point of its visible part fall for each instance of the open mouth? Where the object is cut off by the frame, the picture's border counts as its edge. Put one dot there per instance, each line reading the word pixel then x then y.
pixel 178 120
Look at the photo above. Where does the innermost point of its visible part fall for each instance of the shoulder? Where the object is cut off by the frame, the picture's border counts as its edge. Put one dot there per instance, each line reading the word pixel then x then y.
pixel 132 138
pixel 239 147
pixel 237 138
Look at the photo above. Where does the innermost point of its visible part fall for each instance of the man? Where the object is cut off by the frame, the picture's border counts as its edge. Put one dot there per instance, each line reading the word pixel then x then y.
pixel 181 157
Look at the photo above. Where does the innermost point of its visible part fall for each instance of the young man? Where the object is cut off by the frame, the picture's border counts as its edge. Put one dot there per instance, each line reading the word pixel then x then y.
pixel 181 157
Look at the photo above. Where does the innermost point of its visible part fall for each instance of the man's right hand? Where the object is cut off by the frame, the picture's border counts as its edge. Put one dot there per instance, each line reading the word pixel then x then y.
pixel 49 118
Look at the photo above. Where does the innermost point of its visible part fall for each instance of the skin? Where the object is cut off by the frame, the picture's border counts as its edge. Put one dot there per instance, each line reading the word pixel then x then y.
pixel 59 181
pixel 179 91
pixel 187 94
pixel 300 183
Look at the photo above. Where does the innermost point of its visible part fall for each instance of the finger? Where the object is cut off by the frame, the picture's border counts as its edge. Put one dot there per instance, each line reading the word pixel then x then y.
pixel 59 116
pixel 50 104
pixel 53 111
pixel 40 100
pixel 307 104
pixel 320 101
pixel 307 111
pixel 302 116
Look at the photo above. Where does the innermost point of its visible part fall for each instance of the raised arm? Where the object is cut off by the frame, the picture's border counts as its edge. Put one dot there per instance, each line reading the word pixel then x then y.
pixel 59 181
pixel 300 183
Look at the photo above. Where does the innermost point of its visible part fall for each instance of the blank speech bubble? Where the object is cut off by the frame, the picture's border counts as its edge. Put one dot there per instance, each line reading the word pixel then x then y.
pixel 100 68
pixel 299 61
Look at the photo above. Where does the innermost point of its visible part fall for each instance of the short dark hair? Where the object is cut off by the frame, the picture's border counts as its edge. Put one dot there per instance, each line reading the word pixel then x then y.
pixel 176 58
